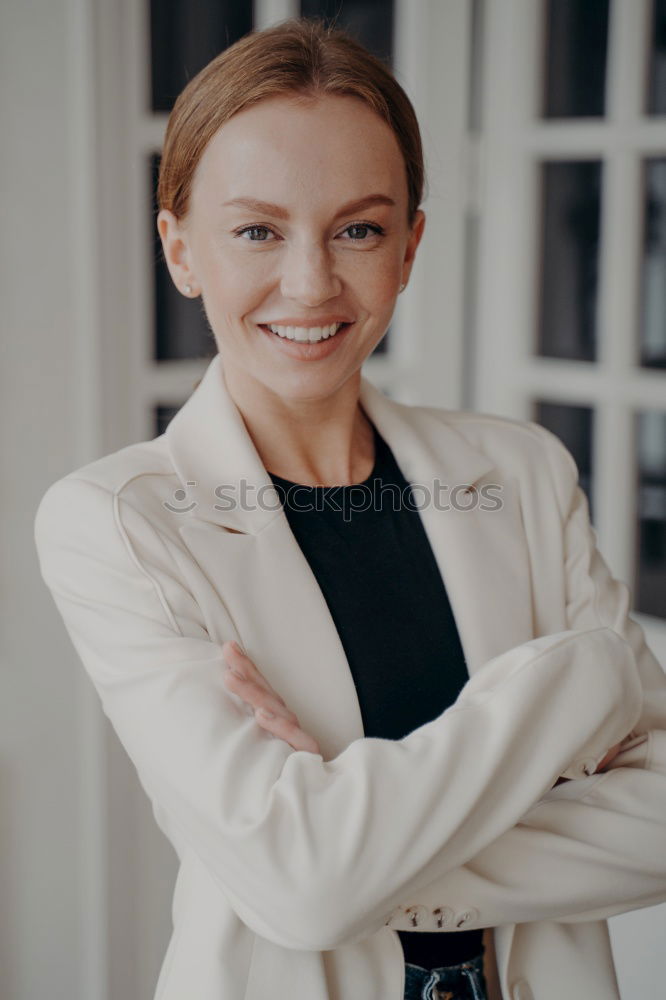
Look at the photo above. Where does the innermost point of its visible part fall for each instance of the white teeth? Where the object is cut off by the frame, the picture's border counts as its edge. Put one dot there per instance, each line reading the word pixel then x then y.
pixel 304 334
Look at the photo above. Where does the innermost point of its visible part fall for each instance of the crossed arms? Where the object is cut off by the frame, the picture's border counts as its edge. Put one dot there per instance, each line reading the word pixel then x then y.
pixel 313 854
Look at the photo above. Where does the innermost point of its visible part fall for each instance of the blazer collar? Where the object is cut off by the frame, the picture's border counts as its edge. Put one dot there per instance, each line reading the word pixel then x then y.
pixel 216 460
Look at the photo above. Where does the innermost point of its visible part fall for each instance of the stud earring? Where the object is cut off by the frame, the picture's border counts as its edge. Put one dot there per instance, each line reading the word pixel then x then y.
pixel 188 289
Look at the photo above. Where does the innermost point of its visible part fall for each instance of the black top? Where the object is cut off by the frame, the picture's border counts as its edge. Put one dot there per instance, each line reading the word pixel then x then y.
pixel 369 552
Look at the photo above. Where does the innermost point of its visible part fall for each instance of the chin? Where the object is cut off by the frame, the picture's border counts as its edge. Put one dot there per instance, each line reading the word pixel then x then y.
pixel 309 385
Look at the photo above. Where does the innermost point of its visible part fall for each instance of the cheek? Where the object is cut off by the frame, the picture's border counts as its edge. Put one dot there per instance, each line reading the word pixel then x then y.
pixel 235 276
pixel 377 282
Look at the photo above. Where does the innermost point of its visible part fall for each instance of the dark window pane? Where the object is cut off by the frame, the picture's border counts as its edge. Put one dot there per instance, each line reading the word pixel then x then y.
pixel 575 56
pixel 571 209
pixel 384 344
pixel 656 103
pixel 650 585
pixel 574 427
pixel 163 415
pixel 185 35
pixel 181 327
pixel 653 291
pixel 369 21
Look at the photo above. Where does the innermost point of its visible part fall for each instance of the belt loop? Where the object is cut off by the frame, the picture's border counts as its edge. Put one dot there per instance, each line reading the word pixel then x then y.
pixel 474 983
pixel 429 987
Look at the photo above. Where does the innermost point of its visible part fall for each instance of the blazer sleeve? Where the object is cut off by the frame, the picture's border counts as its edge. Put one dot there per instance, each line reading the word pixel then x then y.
pixel 594 847
pixel 313 853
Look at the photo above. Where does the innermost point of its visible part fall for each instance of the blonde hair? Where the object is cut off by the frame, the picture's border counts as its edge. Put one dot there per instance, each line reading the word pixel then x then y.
pixel 300 56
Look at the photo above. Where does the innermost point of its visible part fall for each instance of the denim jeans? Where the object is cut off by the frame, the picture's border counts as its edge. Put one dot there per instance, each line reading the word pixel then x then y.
pixel 450 982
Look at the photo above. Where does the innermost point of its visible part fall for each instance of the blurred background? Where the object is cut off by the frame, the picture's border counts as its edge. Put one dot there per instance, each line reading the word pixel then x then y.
pixel 539 292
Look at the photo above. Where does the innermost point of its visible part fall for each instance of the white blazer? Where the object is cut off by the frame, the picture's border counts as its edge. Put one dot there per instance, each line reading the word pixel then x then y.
pixel 297 869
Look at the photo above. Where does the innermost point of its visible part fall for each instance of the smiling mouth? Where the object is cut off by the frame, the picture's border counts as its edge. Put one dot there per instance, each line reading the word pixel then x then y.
pixel 305 334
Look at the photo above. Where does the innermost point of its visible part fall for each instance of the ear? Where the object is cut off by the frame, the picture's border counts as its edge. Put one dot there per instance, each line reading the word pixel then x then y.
pixel 177 253
pixel 413 241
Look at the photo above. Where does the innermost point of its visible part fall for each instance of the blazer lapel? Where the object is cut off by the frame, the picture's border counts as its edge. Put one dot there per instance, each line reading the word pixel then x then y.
pixel 240 537
pixel 479 544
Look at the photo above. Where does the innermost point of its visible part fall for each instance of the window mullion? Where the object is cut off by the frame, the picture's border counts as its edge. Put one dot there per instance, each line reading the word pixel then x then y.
pixel 627 60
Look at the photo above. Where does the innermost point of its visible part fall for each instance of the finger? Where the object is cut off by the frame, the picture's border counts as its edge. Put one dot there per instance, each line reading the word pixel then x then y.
pixel 245 680
pixel 287 730
pixel 612 753
pixel 255 694
pixel 242 664
pixel 238 661
pixel 271 713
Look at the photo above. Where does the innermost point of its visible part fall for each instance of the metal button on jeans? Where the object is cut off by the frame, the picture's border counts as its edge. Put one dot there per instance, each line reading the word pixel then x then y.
pixel 443 994
pixel 452 982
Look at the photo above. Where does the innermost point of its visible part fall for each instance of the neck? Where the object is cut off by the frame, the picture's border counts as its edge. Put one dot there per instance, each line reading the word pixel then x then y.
pixel 322 441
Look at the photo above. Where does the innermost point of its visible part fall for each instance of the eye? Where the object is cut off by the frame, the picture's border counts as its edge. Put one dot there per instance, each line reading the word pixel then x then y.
pixel 360 231
pixel 257 234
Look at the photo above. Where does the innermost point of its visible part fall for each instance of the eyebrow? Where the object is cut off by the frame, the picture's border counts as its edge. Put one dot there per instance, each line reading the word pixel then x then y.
pixel 267 208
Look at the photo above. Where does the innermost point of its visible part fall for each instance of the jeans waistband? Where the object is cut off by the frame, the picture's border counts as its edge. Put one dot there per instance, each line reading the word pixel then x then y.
pixel 448 982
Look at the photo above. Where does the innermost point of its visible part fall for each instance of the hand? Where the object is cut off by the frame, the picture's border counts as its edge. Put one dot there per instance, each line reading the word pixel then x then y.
pixel 612 753
pixel 254 689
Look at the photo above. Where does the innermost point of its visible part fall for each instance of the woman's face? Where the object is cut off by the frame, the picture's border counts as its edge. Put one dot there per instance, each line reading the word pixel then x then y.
pixel 297 218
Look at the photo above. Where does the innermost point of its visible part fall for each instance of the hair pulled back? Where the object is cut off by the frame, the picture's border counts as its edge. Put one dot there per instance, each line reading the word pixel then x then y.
pixel 300 56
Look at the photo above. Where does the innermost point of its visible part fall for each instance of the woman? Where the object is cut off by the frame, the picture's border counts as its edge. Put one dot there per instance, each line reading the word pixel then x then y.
pixel 447 675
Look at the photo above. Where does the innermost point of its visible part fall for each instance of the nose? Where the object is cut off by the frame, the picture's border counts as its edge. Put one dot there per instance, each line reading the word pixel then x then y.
pixel 308 275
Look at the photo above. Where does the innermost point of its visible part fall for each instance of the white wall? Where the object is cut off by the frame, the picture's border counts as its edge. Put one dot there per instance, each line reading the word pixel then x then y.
pixel 76 921
pixel 39 832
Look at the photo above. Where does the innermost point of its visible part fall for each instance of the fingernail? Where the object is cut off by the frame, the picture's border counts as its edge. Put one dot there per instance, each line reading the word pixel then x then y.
pixel 265 713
